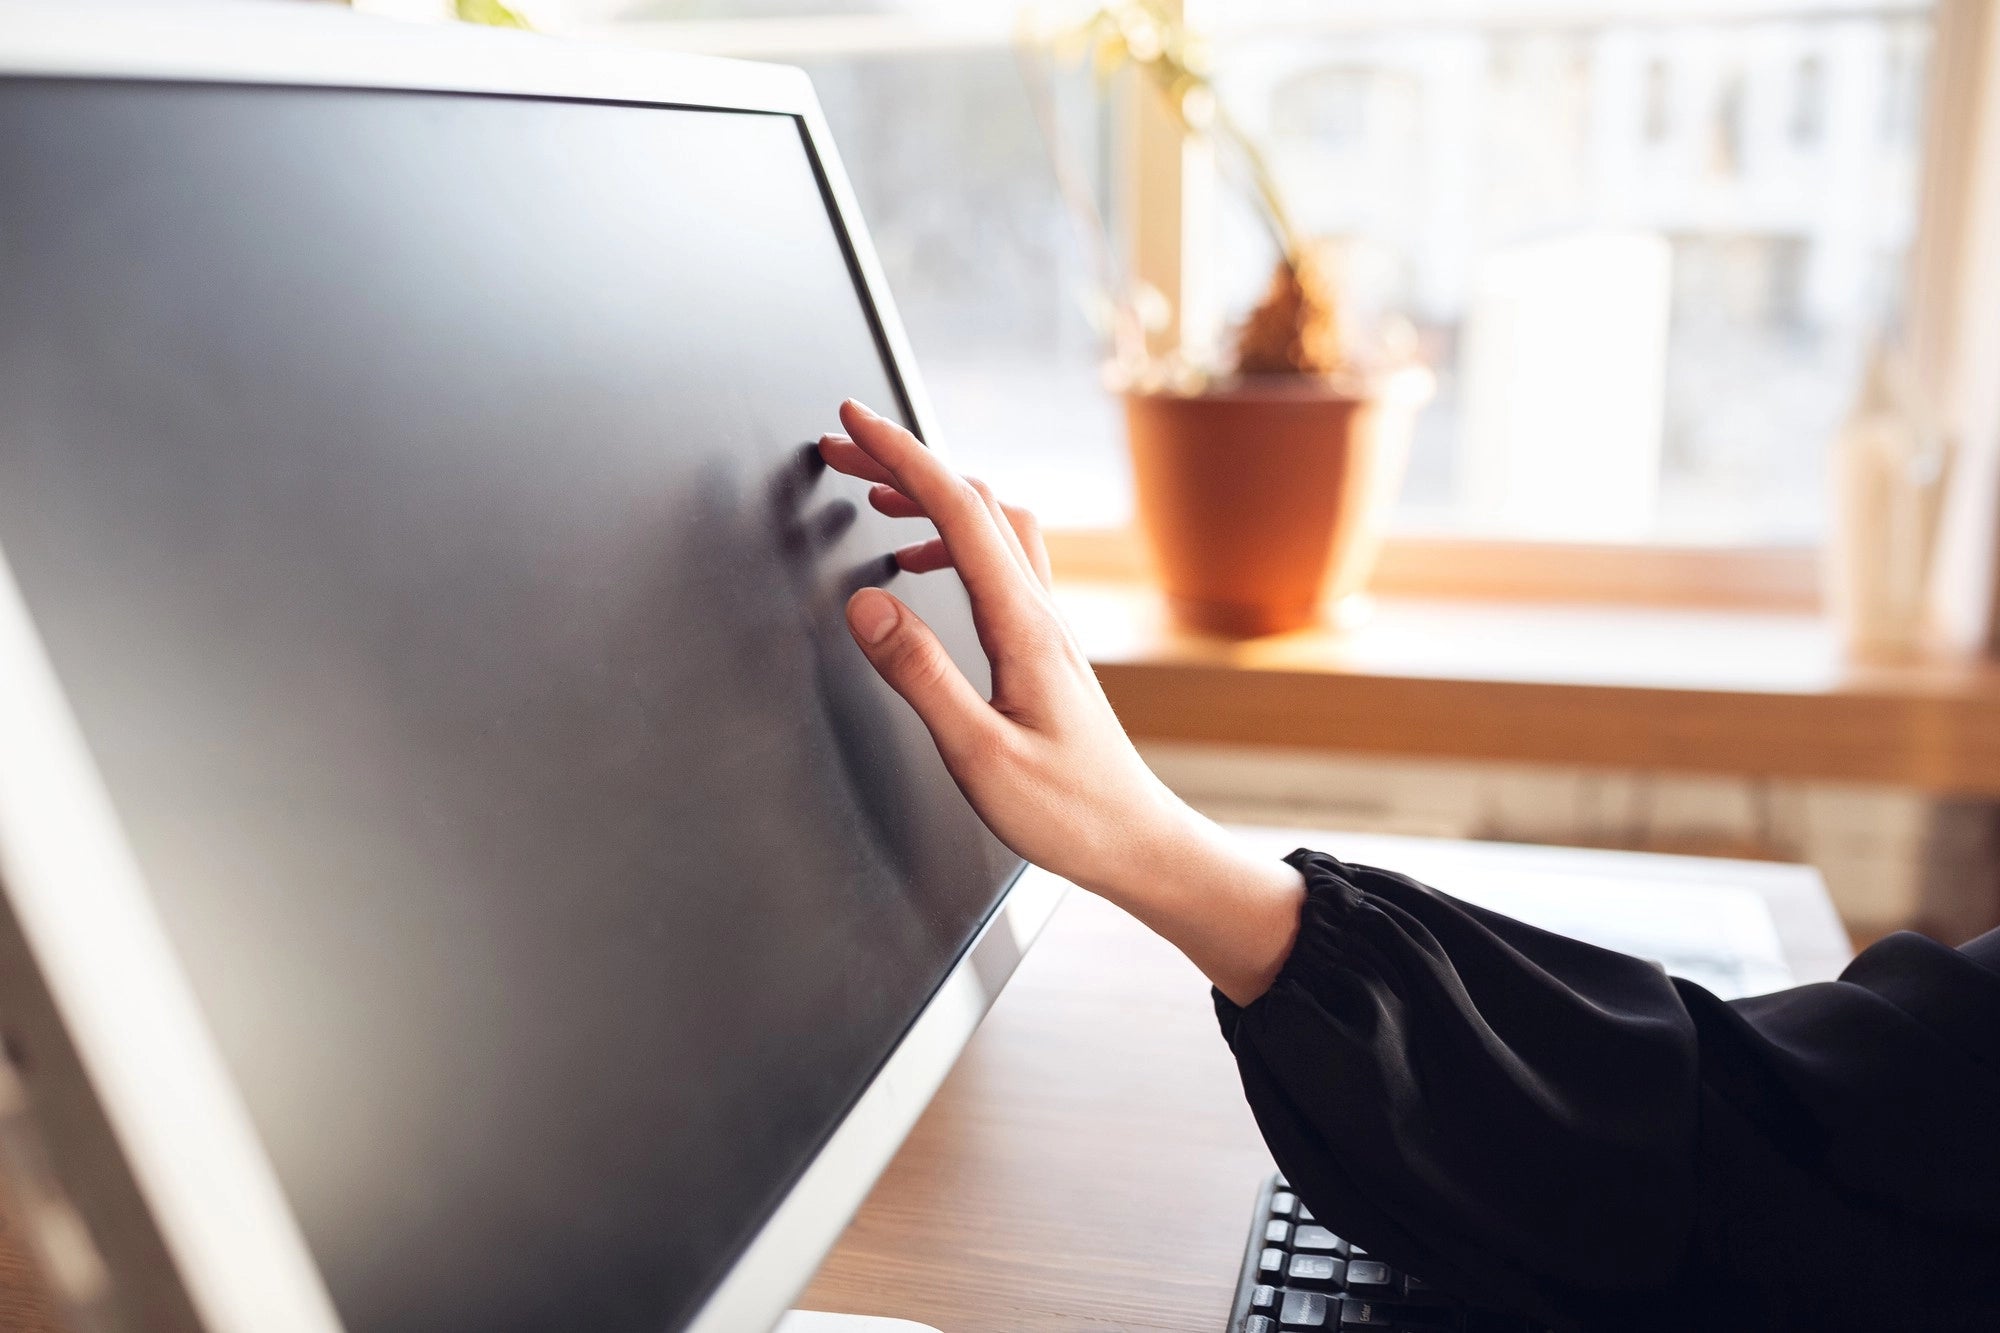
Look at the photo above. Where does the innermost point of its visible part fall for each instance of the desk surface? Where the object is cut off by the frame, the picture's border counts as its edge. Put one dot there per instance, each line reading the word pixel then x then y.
pixel 1091 1163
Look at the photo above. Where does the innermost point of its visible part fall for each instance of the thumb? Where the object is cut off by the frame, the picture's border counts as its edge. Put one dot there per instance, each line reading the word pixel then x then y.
pixel 906 653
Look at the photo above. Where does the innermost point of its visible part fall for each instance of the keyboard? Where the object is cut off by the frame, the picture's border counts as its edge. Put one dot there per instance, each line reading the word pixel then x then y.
pixel 1299 1275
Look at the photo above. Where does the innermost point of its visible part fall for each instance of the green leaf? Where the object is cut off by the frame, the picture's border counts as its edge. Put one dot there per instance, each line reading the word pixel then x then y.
pixel 493 13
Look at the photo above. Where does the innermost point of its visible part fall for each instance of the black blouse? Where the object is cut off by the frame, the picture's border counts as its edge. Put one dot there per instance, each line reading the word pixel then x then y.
pixel 1549 1126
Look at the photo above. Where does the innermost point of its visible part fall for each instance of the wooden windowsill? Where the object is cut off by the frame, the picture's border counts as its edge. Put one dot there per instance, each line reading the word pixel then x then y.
pixel 1762 578
pixel 1752 693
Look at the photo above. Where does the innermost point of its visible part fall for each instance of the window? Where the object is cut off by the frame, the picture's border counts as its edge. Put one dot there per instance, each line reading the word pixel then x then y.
pixel 942 135
pixel 1646 252
pixel 1646 256
pixel 988 268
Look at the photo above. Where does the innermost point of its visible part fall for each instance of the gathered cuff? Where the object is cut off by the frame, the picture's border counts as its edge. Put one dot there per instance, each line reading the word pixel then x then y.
pixel 1321 945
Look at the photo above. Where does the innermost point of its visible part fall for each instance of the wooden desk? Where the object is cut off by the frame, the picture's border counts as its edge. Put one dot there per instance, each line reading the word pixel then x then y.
pixel 1091 1164
pixel 1742 693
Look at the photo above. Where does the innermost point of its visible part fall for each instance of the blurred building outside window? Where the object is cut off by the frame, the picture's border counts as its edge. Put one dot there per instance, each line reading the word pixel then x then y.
pixel 1646 245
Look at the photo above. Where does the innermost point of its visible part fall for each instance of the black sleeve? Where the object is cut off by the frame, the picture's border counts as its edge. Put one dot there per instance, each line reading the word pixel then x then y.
pixel 1541 1124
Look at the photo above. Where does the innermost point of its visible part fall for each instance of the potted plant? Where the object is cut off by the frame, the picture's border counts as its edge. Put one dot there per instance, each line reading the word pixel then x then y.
pixel 1262 484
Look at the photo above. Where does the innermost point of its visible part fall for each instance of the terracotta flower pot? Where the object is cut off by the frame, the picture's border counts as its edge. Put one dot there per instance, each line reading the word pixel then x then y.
pixel 1262 503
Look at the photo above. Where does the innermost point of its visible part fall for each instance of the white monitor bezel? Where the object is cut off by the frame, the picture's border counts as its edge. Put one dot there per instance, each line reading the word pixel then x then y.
pixel 147 1140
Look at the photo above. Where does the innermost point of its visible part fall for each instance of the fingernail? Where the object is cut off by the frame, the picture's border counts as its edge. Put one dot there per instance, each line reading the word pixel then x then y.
pixel 862 408
pixel 873 615
pixel 834 437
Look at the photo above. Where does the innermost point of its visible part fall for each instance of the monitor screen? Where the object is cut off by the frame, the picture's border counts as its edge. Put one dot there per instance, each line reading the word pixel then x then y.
pixel 415 495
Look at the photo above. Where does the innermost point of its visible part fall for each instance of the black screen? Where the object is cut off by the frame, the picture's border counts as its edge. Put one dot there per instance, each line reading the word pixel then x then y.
pixel 415 495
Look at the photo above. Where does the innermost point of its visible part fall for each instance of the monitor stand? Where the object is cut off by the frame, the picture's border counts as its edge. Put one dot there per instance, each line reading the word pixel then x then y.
pixel 811 1321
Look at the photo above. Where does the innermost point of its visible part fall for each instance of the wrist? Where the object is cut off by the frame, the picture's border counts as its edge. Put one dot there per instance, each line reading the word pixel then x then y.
pixel 1233 911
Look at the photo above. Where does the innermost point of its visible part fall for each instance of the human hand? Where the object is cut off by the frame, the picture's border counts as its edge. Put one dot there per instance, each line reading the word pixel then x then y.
pixel 1044 762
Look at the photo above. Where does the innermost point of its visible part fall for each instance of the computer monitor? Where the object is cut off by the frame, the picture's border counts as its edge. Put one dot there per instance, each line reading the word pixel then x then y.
pixel 459 873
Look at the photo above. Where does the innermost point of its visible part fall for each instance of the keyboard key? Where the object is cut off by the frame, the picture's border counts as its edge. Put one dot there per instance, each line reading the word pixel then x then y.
pixel 1358 1312
pixel 1310 1280
pixel 1369 1273
pixel 1306 1309
pixel 1318 1239
pixel 1316 1270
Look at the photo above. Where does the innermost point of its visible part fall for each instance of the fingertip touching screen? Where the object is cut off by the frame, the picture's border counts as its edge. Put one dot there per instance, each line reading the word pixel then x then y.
pixel 415 495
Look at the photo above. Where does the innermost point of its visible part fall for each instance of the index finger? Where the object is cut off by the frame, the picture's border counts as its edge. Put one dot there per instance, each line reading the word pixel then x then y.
pixel 994 579
pixel 844 455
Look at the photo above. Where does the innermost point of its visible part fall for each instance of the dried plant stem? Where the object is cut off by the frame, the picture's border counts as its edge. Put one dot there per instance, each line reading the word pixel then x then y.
pixel 1277 215
pixel 1296 328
